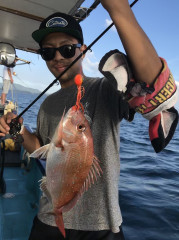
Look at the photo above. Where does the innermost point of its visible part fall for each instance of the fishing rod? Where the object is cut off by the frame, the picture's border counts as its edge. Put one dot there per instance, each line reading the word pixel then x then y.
pixel 15 126
pixel 22 60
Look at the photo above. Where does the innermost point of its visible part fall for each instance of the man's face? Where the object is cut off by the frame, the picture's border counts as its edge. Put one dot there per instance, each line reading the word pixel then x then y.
pixel 58 64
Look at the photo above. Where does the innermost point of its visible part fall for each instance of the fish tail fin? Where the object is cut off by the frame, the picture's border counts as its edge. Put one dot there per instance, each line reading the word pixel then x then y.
pixel 60 223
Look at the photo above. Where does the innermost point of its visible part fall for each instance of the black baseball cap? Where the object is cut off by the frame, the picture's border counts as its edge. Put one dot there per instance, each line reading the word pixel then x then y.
pixel 58 22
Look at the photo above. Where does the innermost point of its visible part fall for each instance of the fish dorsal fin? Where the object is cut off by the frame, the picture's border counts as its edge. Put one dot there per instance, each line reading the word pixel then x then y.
pixel 41 153
pixel 94 171
pixel 43 187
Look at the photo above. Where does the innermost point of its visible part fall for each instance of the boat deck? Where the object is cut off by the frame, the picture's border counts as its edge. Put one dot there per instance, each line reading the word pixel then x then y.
pixel 19 204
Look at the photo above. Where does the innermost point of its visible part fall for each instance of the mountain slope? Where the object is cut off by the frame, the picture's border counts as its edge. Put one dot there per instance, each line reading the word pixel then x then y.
pixel 18 87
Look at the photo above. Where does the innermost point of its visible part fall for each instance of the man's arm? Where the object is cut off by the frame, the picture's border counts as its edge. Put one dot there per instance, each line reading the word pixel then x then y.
pixel 31 142
pixel 10 74
pixel 145 62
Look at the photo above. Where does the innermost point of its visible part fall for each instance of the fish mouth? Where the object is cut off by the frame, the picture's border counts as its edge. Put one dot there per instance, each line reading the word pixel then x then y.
pixel 61 144
pixel 65 139
pixel 64 143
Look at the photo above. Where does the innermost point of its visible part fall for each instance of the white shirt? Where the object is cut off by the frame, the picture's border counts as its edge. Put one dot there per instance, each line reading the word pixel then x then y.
pixel 6 74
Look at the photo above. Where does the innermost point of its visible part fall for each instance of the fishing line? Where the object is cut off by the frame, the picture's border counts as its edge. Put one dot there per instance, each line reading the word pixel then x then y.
pixel 26 85
pixel 15 120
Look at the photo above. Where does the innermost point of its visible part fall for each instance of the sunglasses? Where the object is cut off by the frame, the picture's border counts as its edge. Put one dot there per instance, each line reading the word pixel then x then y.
pixel 67 51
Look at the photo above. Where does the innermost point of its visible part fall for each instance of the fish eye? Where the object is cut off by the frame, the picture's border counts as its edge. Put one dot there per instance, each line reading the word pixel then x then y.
pixel 81 128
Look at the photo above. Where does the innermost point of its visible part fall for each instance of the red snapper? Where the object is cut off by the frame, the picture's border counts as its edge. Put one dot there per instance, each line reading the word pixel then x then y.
pixel 71 165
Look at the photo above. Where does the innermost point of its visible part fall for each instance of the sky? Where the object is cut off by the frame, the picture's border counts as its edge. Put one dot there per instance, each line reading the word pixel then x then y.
pixel 158 18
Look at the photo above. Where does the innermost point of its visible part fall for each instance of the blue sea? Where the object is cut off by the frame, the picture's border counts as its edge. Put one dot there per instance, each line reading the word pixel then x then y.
pixel 149 182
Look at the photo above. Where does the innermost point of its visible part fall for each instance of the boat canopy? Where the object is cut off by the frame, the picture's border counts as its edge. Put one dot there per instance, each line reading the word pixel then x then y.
pixel 18 19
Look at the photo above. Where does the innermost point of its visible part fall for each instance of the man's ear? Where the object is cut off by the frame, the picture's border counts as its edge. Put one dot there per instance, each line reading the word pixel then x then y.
pixel 83 48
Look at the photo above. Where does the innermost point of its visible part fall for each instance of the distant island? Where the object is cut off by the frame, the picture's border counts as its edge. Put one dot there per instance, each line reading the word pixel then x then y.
pixel 20 88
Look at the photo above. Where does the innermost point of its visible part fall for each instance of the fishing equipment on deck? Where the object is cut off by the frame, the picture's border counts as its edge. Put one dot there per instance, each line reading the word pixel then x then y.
pixel 10 144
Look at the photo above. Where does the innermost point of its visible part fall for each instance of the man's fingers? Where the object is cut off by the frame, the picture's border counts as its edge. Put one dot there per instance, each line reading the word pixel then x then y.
pixel 4 123
pixel 2 134
pixel 9 117
pixel 4 128
pixel 21 120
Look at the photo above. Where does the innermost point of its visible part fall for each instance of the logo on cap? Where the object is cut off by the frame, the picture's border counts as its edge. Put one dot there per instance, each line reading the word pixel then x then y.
pixel 57 22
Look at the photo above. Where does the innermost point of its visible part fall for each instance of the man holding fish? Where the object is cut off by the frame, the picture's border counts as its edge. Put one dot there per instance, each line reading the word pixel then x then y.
pixel 78 126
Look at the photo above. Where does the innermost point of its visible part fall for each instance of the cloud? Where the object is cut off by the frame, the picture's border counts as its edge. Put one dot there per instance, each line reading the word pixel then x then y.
pixel 90 65
pixel 108 22
pixel 177 83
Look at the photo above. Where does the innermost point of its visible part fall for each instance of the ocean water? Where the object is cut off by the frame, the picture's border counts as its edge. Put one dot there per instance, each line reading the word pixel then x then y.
pixel 149 182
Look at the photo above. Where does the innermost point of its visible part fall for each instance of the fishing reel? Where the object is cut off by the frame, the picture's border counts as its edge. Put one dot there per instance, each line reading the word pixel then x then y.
pixel 15 128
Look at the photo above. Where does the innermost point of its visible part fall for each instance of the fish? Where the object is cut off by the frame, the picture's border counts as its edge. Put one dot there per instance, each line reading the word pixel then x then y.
pixel 71 165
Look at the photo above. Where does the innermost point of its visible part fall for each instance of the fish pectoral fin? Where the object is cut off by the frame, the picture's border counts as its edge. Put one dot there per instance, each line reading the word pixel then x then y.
pixel 96 166
pixel 94 171
pixel 41 153
pixel 59 221
pixel 43 187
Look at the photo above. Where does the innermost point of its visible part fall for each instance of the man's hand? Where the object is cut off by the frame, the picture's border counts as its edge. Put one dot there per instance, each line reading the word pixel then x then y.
pixel 5 121
pixel 30 140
